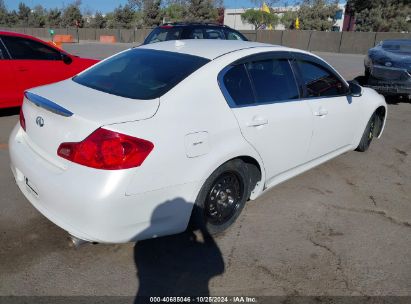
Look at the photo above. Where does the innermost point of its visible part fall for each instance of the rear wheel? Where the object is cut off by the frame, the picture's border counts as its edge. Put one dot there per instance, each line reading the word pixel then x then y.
pixel 222 197
pixel 368 134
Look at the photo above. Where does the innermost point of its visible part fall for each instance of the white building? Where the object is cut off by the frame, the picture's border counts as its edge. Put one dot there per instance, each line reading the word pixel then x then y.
pixel 232 17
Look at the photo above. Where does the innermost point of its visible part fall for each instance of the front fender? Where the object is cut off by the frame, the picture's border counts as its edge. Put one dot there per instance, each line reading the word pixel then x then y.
pixel 371 102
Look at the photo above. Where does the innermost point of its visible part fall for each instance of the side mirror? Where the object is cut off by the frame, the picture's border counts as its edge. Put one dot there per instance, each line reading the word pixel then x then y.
pixel 66 59
pixel 355 89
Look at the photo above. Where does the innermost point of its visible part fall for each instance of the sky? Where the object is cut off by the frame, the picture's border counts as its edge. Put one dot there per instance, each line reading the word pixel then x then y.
pixel 109 5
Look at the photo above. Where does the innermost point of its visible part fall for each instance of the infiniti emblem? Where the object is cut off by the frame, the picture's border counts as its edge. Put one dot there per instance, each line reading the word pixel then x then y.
pixel 40 121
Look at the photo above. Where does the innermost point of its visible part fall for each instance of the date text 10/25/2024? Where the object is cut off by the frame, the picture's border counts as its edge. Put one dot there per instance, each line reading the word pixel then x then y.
pixel 234 299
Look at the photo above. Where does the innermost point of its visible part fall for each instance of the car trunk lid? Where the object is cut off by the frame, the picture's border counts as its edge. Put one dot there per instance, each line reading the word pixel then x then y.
pixel 69 112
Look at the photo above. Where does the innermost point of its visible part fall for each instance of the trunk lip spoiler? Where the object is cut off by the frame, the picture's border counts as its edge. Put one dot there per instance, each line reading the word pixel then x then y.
pixel 47 104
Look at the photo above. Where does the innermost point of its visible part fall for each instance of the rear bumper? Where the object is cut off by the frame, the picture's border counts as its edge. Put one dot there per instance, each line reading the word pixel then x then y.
pixel 390 88
pixel 92 204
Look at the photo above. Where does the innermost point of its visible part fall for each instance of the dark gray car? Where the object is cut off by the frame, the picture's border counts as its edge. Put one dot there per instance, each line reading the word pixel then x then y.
pixel 388 67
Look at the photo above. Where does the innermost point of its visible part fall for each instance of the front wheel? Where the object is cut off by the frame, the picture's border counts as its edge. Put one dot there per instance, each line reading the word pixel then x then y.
pixel 367 73
pixel 222 197
pixel 368 134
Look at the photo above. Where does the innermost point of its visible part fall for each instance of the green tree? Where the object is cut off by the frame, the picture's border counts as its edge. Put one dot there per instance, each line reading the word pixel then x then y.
pixel 110 20
pixel 152 15
pixel 53 17
pixel 3 13
pixel 123 17
pixel 391 18
pixel 381 15
pixel 136 4
pixel 38 17
pixel 24 13
pixel 202 10
pixel 317 15
pixel 139 19
pixel 175 12
pixel 98 21
pixel 288 19
pixel 71 15
pixel 259 18
pixel 13 19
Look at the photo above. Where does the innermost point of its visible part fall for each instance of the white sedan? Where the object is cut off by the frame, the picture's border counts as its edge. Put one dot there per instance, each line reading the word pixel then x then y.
pixel 158 136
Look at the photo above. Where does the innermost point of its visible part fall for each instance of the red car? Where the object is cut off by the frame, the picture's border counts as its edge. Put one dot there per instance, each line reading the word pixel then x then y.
pixel 27 62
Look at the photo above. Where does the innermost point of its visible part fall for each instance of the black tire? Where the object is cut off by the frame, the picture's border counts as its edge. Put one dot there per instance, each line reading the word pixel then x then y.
pixel 216 214
pixel 368 134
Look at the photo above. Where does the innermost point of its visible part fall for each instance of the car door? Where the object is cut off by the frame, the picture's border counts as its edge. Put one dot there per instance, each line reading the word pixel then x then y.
pixel 35 63
pixel 9 87
pixel 334 111
pixel 265 99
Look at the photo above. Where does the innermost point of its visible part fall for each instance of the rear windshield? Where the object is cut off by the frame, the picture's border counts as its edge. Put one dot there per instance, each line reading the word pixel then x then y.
pixel 403 46
pixel 140 73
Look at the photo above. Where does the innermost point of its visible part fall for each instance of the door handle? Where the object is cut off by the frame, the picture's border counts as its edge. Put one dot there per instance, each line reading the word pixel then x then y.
pixel 256 122
pixel 321 112
pixel 22 69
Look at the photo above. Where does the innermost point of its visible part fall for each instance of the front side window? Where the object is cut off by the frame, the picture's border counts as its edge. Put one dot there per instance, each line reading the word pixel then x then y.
pixel 319 81
pixel 273 80
pixel 140 73
pixel 26 49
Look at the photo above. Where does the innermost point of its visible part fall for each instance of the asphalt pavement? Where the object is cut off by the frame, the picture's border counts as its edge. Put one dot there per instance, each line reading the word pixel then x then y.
pixel 343 228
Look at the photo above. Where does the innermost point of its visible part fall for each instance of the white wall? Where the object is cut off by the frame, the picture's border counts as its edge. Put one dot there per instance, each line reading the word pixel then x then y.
pixel 232 17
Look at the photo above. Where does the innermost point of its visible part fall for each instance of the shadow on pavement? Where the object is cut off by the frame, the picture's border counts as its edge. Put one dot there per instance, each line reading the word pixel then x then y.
pixel 394 100
pixel 177 265
pixel 9 111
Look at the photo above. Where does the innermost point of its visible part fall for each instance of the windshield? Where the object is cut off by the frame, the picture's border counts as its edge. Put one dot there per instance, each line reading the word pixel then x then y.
pixel 140 73
pixel 403 46
pixel 164 33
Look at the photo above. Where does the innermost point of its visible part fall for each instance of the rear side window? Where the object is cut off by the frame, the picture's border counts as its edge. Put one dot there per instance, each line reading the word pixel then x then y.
pixel 319 81
pixel 196 33
pixel 163 34
pixel 27 49
pixel 140 74
pixel 214 34
pixel 273 80
pixel 238 86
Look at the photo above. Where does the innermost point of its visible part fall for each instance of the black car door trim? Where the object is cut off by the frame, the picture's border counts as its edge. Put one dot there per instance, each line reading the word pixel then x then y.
pixel 255 57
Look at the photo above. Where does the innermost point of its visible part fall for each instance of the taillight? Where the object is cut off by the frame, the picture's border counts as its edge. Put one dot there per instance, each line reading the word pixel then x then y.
pixel 22 119
pixel 108 150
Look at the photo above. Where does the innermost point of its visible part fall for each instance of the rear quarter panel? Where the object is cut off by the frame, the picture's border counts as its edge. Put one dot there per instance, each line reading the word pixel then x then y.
pixel 195 105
